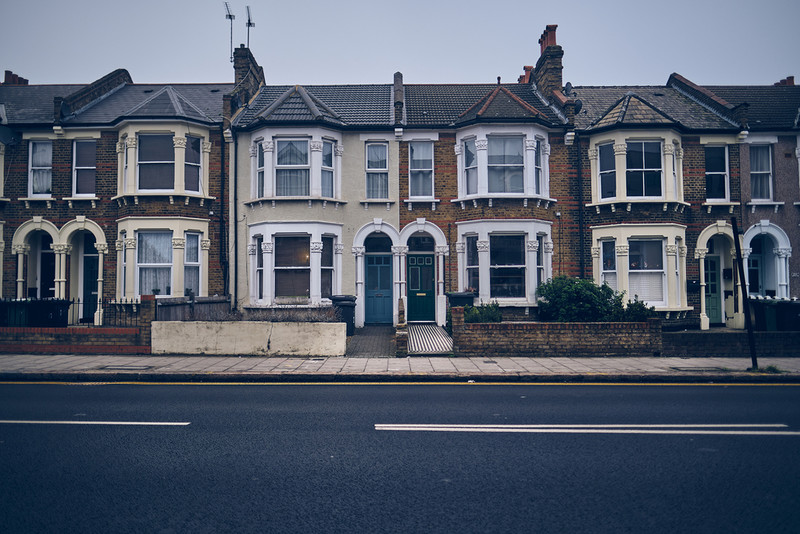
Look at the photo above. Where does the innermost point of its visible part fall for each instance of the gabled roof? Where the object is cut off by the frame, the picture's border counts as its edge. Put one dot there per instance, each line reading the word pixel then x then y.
pixel 632 110
pixel 298 105
pixel 499 105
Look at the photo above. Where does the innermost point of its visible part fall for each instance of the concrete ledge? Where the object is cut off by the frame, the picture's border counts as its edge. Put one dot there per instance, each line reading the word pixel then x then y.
pixel 249 338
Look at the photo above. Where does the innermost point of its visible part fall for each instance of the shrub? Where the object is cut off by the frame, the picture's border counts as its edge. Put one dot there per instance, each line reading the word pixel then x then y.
pixel 485 313
pixel 564 299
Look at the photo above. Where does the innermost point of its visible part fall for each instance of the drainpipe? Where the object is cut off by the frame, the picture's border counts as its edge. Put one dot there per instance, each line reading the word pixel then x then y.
pixel 582 229
pixel 223 256
pixel 235 221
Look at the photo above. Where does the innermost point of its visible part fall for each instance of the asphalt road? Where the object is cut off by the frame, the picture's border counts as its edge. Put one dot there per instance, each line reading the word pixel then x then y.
pixel 330 458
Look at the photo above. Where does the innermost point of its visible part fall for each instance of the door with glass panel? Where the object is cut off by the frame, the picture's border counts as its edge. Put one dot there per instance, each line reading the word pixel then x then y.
pixel 713 293
pixel 378 293
pixel 421 296
pixel 89 278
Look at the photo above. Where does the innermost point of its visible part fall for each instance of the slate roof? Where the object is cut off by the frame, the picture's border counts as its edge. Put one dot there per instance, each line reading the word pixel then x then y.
pixel 500 104
pixel 32 104
pixel 769 107
pixel 651 103
pixel 632 110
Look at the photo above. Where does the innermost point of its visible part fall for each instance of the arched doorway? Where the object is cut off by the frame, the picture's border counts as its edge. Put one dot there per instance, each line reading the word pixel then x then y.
pixel 85 263
pixel 41 266
pixel 378 279
pixel 421 278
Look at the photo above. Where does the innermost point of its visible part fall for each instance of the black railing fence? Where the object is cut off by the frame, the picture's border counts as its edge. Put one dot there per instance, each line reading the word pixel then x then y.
pixel 193 309
pixel 67 312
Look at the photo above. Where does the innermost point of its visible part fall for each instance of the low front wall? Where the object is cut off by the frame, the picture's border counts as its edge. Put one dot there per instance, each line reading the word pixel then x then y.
pixel 249 338
pixel 555 339
pixel 730 343
pixel 72 340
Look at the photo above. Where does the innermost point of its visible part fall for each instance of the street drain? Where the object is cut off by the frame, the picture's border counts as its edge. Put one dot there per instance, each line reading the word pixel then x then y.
pixel 127 367
pixel 317 359
pixel 701 369
pixel 489 361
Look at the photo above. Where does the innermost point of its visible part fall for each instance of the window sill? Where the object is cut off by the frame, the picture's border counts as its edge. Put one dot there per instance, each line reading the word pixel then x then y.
pixel 412 201
pixel 275 200
pixel 28 200
pixel 123 199
pixel 676 205
pixel 367 201
pixel 764 204
pixel 5 199
pixel 92 199
pixel 526 199
pixel 708 204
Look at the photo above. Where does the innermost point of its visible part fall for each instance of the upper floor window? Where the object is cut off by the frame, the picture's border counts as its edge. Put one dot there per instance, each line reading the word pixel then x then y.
pixel 292 168
pixel 377 170
pixel 420 173
pixel 608 171
pixel 156 161
pixel 40 176
pixel 260 171
pixel 84 167
pixel 506 164
pixel 716 173
pixel 761 172
pixel 192 165
pixel 327 169
pixel 643 169
pixel 470 167
pixel 537 168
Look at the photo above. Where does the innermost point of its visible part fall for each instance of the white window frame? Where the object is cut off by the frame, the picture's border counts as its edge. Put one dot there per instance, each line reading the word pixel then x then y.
pixel 470 170
pixel 632 271
pixel 469 266
pixel 608 272
pixel 644 169
pixel 76 169
pixel 505 166
pixel 259 286
pixel 428 169
pixel 193 264
pixel 293 167
pixel 139 162
pixel 198 165
pixel 330 170
pixel 167 291
pixel 31 168
pixel 493 268
pixel 769 173
pixel 331 269
pixel 601 172
pixel 381 173
pixel 725 174
pixel 260 170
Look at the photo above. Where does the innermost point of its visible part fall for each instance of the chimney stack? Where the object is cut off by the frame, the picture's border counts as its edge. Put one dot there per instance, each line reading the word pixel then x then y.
pixel 789 81
pixel 548 37
pixel 399 98
pixel 13 79
pixel 547 73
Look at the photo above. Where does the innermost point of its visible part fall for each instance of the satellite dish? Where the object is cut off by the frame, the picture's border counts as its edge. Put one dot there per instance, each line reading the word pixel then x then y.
pixel 578 106
pixel 568 89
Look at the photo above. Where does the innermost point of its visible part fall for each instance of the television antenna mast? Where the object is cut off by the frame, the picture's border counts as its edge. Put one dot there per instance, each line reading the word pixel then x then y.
pixel 250 24
pixel 230 16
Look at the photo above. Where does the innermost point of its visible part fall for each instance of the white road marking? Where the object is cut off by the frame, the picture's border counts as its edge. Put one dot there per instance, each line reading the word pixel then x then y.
pixel 711 429
pixel 118 423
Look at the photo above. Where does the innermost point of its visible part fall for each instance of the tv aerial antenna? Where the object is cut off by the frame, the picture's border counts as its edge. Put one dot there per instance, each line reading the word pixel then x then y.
pixel 250 24
pixel 230 16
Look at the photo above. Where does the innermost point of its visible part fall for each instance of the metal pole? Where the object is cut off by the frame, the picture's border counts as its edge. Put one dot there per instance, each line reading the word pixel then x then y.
pixel 745 299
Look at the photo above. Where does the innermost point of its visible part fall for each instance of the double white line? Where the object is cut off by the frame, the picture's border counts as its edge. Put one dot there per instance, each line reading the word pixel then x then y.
pixel 731 430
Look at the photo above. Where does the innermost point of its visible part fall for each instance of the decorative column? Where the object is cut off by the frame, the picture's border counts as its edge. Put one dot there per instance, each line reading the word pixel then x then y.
pixel 254 189
pixel 700 254
pixel 338 249
pixel 545 155
pixel 252 253
pixel 548 260
pixel 783 255
pixel 315 281
pixel 597 271
pixel 315 176
pixel 61 252
pixel 267 248
pixel 461 256
pixel 461 181
pixel 530 166
pixel 399 253
pixel 130 270
pixel 673 289
pixel 594 171
pixel 358 252
pixel 129 170
pixel 180 166
pixel 622 267
pixel 204 170
pixel 682 251
pixel 620 164
pixel 178 247
pixel 482 156
pixel 679 172
pixel 441 298
pixel 269 181
pixel 102 250
pixel 484 291
pixel 531 248
pixel 21 251
pixel 205 246
pixel 338 151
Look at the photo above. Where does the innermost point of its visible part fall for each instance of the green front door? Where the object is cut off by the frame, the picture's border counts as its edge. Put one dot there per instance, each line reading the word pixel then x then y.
pixel 713 293
pixel 421 296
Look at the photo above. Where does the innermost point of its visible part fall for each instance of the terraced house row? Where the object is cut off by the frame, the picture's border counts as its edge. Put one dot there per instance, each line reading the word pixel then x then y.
pixel 400 193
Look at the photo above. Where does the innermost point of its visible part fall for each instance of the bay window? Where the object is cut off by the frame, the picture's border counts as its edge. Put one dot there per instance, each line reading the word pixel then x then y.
pixel 377 170
pixel 40 169
pixel 473 278
pixel 154 262
pixel 156 162
pixel 259 242
pixel 643 169
pixel 327 169
pixel 507 266
pixel 292 168
pixel 192 165
pixel 608 171
pixel 292 266
pixel 191 264
pixel 326 267
pixel 420 174
pixel 608 259
pixel 761 172
pixel 646 270
pixel 506 164
pixel 470 167
pixel 260 171
pixel 83 167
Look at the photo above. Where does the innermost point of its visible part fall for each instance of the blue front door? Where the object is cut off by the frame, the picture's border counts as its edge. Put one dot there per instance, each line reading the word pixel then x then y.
pixel 378 289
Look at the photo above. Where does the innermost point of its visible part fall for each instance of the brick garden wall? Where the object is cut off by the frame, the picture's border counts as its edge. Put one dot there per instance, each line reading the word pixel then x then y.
pixel 555 339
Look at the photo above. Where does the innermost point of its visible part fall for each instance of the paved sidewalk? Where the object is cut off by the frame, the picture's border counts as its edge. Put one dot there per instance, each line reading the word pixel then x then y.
pixel 100 368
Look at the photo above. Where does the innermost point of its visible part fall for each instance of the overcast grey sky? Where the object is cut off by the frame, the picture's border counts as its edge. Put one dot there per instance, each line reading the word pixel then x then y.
pixel 608 42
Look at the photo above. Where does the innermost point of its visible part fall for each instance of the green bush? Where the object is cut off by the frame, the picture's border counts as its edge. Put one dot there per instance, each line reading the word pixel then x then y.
pixel 564 299
pixel 485 313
